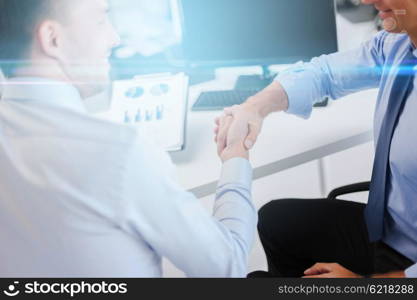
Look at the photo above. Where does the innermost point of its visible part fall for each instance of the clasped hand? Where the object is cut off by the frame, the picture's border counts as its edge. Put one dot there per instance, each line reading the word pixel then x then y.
pixel 237 131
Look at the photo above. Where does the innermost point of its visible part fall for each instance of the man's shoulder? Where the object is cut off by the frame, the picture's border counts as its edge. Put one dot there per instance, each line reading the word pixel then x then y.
pixel 104 131
pixel 131 139
pixel 389 46
pixel 390 42
pixel 89 128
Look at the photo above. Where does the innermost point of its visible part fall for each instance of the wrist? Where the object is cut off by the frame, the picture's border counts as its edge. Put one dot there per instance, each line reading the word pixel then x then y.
pixel 234 151
pixel 272 99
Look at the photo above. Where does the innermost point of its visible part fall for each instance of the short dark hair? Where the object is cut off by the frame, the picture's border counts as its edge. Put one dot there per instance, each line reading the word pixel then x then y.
pixel 18 22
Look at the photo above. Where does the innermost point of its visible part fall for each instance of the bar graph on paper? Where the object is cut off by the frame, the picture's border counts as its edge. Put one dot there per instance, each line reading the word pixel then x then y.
pixel 155 105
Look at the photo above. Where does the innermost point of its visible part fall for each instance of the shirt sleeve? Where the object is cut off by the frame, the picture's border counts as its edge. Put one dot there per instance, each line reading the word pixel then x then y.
pixel 411 272
pixel 335 75
pixel 176 225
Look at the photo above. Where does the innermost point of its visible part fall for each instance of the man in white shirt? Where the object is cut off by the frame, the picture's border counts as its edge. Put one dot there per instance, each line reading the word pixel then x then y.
pixel 81 197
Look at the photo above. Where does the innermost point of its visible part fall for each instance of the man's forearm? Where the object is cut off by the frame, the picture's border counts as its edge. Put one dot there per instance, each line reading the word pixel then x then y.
pixel 236 213
pixel 272 99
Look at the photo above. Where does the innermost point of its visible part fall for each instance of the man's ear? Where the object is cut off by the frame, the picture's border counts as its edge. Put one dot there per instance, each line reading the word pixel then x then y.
pixel 49 36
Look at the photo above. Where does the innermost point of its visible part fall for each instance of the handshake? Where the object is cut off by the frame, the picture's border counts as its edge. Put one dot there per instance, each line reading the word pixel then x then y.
pixel 238 128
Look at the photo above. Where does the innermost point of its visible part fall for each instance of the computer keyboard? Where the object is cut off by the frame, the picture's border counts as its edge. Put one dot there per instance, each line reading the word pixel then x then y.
pixel 218 100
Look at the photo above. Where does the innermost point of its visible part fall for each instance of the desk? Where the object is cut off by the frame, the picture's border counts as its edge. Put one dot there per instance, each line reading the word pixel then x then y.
pixel 286 141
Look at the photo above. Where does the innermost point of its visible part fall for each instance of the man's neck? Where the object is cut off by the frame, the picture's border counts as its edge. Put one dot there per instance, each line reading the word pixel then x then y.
pixel 41 71
pixel 45 71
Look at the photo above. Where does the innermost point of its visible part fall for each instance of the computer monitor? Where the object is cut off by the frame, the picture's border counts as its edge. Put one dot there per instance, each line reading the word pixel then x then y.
pixel 148 30
pixel 256 32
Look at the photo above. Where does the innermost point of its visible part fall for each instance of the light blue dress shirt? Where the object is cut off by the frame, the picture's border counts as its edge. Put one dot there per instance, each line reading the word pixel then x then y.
pixel 83 197
pixel 373 65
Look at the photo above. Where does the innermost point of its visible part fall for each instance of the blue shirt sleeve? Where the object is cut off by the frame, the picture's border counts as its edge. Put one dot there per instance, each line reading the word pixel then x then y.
pixel 176 225
pixel 411 272
pixel 335 75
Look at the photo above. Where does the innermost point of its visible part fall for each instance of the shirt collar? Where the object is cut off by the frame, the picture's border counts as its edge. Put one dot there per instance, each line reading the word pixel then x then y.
pixel 413 48
pixel 48 91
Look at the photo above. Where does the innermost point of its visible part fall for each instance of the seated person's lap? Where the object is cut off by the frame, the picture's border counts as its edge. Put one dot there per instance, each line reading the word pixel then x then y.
pixel 297 233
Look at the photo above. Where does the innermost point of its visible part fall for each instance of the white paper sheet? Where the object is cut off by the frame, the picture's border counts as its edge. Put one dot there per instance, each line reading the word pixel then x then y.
pixel 156 105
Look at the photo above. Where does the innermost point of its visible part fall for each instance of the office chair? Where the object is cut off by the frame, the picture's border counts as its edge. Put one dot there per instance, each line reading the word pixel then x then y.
pixel 344 190
pixel 349 189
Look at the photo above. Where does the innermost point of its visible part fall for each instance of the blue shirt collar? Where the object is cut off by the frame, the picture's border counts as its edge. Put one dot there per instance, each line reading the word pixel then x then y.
pixel 413 48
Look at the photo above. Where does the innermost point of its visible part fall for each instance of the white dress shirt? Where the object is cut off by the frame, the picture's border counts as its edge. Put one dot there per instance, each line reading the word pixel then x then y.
pixel 83 197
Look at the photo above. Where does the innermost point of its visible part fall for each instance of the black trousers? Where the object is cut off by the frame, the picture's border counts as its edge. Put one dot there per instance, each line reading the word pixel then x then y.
pixel 298 233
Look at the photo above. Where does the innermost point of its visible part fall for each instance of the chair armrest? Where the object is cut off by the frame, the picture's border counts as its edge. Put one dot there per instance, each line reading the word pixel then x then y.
pixel 349 189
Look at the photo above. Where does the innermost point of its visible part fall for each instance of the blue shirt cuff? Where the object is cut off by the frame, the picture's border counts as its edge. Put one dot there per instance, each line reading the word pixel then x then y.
pixel 411 272
pixel 237 171
pixel 294 85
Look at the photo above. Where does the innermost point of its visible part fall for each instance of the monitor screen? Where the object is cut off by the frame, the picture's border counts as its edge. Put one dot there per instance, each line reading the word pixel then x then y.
pixel 246 32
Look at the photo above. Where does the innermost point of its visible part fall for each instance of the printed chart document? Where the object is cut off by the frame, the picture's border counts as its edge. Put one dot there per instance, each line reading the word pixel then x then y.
pixel 156 105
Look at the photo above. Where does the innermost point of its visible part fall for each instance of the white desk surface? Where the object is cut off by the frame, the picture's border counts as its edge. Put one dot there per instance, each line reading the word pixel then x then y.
pixel 285 142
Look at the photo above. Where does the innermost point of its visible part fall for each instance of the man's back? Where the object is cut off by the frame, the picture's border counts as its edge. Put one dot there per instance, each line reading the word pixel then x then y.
pixel 81 197
pixel 60 194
